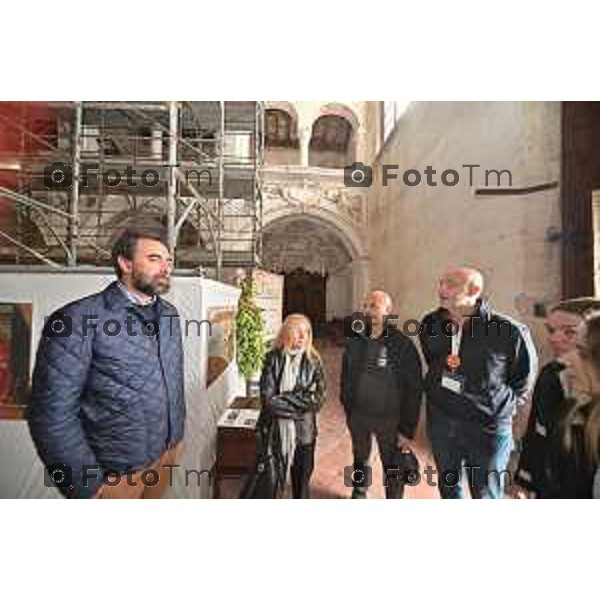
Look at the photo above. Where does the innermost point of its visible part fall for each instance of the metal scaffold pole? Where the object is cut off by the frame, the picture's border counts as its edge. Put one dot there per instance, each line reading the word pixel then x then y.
pixel 172 187
pixel 258 164
pixel 73 224
pixel 221 164
pixel 135 162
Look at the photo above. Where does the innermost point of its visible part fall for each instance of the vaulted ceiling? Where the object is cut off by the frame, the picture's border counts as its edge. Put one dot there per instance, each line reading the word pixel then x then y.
pixel 302 243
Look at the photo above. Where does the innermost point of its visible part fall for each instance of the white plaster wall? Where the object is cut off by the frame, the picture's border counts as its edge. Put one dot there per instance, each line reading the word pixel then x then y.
pixel 339 294
pixel 417 232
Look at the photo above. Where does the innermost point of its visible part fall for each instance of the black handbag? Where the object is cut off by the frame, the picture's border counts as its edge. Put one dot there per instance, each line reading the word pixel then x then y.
pixel 408 466
pixel 267 478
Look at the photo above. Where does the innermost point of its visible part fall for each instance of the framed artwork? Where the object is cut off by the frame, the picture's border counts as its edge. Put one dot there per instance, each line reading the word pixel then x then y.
pixel 15 358
pixel 221 341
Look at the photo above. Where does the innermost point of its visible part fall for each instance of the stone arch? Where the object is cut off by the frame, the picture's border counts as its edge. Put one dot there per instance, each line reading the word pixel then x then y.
pixel 354 278
pixel 337 223
pixel 283 105
pixel 340 110
pixel 282 140
pixel 333 137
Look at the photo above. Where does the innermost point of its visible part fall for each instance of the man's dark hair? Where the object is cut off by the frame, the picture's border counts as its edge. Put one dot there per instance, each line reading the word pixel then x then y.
pixel 126 243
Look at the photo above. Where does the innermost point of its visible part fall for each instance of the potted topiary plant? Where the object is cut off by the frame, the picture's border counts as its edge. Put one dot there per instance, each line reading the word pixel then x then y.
pixel 250 335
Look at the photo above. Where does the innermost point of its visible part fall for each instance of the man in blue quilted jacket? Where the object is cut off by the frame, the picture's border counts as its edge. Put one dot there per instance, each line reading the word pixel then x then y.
pixel 107 408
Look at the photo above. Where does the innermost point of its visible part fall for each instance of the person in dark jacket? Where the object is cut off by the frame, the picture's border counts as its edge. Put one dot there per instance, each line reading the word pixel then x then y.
pixel 107 397
pixel 292 388
pixel 380 391
pixel 481 368
pixel 553 462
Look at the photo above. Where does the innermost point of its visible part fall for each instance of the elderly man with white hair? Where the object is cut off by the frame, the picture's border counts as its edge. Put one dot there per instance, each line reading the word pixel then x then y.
pixel 481 368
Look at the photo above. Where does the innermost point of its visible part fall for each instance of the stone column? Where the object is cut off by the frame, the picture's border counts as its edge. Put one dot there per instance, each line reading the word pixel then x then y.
pixel 304 135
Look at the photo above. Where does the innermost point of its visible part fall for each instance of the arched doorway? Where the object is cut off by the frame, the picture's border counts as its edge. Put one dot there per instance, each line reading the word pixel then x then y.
pixel 306 292
pixel 322 268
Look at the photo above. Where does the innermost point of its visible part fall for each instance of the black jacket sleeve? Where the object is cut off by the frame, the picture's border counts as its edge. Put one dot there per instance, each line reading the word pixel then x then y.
pixel 314 395
pixel 548 394
pixel 412 389
pixel 345 386
pixel 268 378
pixel 524 367
pixel 424 339
pixel 310 396
pixel 302 399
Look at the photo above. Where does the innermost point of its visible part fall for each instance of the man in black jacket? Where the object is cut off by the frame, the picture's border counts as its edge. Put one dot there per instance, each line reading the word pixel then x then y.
pixel 381 393
pixel 482 367
pixel 107 408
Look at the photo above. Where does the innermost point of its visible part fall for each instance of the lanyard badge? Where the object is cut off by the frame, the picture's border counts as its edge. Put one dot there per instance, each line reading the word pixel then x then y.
pixel 451 380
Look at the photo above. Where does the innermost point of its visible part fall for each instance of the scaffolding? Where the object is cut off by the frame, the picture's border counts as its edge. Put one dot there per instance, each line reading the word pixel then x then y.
pixel 79 173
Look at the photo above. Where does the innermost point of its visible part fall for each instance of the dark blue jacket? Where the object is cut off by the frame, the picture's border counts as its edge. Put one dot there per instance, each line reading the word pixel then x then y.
pixel 102 400
pixel 498 363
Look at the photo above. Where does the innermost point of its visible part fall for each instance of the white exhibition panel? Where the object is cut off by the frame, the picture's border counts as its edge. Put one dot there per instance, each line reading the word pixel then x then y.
pixel 21 471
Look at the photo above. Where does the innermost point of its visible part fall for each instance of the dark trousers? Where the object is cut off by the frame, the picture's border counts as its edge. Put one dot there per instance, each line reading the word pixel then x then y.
pixel 302 469
pixel 485 456
pixel 362 430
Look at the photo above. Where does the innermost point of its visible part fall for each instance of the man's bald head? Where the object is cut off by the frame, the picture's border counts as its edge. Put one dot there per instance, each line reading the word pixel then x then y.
pixel 376 304
pixel 460 288
pixel 380 297
pixel 466 276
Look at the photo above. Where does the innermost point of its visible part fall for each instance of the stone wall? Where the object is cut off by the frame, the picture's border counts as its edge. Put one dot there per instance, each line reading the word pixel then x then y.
pixel 417 232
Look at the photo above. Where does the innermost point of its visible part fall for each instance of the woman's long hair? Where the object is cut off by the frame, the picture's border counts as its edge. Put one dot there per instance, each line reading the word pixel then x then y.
pixel 585 308
pixel 283 339
pixel 591 355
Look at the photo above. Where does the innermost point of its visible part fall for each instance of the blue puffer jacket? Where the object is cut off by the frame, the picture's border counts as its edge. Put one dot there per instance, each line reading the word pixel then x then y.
pixel 108 402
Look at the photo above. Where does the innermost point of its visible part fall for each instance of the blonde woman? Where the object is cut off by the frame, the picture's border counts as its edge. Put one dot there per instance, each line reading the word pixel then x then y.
pixel 292 387
pixel 554 462
pixel 573 429
pixel 580 423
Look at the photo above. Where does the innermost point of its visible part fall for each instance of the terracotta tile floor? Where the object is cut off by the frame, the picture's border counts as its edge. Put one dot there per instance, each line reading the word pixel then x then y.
pixel 334 449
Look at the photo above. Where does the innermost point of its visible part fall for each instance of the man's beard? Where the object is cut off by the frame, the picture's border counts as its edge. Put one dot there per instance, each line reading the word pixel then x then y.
pixel 150 286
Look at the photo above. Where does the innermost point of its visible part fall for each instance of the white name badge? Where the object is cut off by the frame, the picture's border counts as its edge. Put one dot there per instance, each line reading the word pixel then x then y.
pixel 452 382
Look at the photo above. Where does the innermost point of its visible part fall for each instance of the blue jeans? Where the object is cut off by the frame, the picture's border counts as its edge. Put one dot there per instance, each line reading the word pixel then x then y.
pixel 485 456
